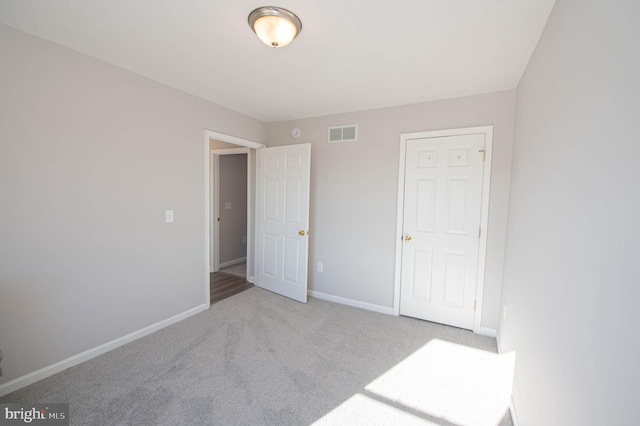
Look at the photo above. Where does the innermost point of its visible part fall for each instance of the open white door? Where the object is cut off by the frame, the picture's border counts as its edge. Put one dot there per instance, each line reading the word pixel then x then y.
pixel 283 220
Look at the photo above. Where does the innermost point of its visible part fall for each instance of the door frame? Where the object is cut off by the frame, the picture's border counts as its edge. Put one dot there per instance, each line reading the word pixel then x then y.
pixel 215 204
pixel 208 217
pixel 487 131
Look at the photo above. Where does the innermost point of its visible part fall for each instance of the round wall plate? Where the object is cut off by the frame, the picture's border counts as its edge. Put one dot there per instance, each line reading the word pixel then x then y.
pixel 295 133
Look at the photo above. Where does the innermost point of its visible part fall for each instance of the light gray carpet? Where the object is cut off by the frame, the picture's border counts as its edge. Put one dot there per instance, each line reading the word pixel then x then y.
pixel 253 359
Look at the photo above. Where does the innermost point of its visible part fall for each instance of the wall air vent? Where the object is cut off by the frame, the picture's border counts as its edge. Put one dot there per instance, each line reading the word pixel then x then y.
pixel 343 133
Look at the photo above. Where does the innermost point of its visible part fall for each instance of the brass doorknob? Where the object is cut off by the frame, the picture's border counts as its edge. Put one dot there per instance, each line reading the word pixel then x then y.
pixel 302 232
pixel 407 238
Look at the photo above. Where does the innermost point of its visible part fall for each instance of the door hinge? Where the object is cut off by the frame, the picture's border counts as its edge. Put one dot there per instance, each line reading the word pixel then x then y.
pixel 479 232
pixel 474 305
pixel 484 154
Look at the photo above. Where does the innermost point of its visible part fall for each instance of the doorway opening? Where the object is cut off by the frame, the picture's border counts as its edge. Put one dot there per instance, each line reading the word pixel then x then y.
pixel 232 146
pixel 230 210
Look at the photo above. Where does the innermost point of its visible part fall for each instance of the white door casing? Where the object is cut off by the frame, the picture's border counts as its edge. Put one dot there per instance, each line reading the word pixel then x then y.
pixel 443 208
pixel 283 220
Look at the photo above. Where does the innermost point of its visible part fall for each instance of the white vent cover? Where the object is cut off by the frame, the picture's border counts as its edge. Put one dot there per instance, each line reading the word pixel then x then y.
pixel 343 133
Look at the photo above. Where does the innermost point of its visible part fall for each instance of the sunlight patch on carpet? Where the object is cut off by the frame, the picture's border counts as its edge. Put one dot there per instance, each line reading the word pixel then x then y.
pixel 461 385
pixel 363 410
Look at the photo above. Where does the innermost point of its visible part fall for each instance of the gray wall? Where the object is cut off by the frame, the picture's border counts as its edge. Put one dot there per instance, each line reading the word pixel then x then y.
pixel 571 278
pixel 354 189
pixel 90 158
pixel 233 221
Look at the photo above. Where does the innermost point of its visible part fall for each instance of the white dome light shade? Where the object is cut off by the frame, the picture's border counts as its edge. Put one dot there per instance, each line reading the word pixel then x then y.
pixel 276 27
pixel 274 31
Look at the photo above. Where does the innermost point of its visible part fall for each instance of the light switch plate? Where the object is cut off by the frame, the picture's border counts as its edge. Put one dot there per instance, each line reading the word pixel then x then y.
pixel 168 216
pixel 227 205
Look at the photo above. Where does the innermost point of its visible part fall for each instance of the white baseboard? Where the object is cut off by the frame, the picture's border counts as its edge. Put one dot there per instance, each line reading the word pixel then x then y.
pixel 512 407
pixel 351 302
pixel 233 262
pixel 52 369
pixel 489 332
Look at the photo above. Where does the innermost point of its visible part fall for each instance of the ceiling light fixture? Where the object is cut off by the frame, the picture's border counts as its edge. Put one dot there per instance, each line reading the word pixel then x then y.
pixel 276 27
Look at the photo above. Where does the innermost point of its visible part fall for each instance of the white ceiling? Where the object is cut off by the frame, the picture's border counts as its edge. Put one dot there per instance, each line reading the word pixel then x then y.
pixel 351 54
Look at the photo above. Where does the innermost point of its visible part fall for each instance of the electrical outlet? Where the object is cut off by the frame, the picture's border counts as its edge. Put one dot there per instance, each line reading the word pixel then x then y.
pixel 504 313
pixel 320 267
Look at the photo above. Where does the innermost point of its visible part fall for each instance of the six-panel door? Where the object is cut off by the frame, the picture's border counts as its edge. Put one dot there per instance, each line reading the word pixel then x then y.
pixel 283 220
pixel 442 207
